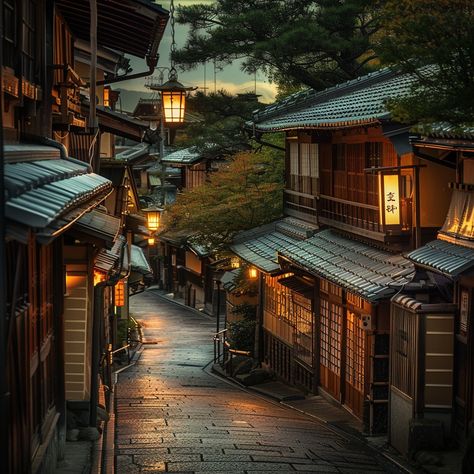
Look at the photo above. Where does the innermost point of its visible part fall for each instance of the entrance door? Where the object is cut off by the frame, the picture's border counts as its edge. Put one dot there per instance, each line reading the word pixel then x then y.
pixel 354 369
pixel 330 351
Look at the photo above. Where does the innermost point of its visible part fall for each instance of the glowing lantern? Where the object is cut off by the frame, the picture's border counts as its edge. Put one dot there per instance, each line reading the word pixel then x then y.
pixel 253 273
pixel 153 217
pixel 173 99
pixel 119 293
pixel 151 241
pixel 389 194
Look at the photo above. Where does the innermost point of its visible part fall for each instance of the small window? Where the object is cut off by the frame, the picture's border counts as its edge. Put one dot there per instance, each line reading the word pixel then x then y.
pixel 373 154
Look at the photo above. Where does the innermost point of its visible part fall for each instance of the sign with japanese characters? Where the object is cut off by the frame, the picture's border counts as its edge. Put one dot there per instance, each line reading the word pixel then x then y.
pixel 390 199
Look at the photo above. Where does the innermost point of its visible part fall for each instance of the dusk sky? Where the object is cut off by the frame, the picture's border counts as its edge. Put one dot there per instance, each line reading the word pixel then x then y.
pixel 231 78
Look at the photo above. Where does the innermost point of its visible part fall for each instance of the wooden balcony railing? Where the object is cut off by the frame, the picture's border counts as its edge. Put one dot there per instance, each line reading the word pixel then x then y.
pixel 66 97
pixel 365 217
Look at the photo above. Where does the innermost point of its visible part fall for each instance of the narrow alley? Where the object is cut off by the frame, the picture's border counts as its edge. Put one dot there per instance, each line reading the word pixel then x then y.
pixel 173 416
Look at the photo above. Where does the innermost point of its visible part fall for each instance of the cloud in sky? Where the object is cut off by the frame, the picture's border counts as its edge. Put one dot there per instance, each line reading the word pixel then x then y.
pixel 230 78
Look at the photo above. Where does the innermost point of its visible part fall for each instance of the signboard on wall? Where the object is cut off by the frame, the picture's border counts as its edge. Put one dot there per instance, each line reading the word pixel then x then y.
pixel 389 193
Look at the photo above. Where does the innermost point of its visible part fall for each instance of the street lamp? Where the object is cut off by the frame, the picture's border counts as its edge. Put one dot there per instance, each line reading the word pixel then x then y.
pixel 173 99
pixel 153 217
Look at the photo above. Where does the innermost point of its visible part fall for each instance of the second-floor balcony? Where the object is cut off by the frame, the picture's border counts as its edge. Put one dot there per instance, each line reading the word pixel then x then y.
pixel 351 216
pixel 363 219
pixel 66 98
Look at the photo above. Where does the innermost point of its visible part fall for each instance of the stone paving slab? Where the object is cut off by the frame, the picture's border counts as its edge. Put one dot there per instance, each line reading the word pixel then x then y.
pixel 173 416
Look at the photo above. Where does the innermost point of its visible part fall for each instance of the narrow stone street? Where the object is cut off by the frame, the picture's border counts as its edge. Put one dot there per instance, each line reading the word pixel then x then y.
pixel 173 416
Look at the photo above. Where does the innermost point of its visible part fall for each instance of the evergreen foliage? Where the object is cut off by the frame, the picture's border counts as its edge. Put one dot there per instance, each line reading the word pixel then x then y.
pixel 315 43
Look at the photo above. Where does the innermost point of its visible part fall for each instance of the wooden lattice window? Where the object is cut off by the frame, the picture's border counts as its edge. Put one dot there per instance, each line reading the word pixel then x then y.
pixel 373 154
pixel 304 328
pixel 355 349
pixel 28 53
pixel 9 33
pixel 331 326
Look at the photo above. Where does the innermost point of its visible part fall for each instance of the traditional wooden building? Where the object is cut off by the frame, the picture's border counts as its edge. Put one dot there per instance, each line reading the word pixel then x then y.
pixel 432 344
pixel 187 268
pixel 350 171
pixel 63 252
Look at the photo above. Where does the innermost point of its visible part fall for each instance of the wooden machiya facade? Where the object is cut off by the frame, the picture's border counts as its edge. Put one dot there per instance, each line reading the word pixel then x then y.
pixel 353 173
pixel 432 347
pixel 58 242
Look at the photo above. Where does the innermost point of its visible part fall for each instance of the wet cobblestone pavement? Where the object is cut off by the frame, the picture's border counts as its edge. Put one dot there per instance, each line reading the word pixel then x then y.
pixel 172 416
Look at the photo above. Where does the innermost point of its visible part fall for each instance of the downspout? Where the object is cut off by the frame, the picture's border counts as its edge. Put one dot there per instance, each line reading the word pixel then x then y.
pixel 4 395
pixel 93 67
pixel 98 317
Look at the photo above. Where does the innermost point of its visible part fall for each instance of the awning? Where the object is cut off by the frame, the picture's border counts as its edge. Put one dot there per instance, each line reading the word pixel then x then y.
pixel 108 261
pixel 459 223
pixel 298 285
pixel 415 306
pixel 259 246
pixel 119 124
pixel 364 270
pixel 99 224
pixel 48 195
pixel 139 262
pixel 444 257
pixel 130 26
pixel 228 279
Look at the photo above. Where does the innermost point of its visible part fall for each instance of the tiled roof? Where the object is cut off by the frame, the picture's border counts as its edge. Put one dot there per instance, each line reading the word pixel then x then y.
pixel 447 131
pixel 134 152
pixel 186 156
pixel 260 246
pixel 107 260
pixel 444 257
pixel 371 273
pixel 100 224
pixel 40 192
pixel 358 101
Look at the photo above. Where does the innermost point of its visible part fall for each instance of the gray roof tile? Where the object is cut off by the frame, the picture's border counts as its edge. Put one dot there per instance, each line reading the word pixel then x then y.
pixel 371 273
pixel 39 192
pixel 260 246
pixel 444 257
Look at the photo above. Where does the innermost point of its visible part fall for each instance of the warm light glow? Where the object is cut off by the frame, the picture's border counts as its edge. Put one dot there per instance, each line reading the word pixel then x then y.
pixel 151 241
pixel 235 262
pixel 173 106
pixel 73 281
pixel 390 198
pixel 99 276
pixel 106 97
pixel 153 219
pixel 253 273
pixel 119 293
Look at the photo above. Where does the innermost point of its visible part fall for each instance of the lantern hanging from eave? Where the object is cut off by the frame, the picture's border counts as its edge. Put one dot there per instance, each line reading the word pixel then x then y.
pixel 173 99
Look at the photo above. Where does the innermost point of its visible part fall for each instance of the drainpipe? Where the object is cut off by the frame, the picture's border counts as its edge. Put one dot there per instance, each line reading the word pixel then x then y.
pixel 96 350
pixel 4 395
pixel 98 317
pixel 93 68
